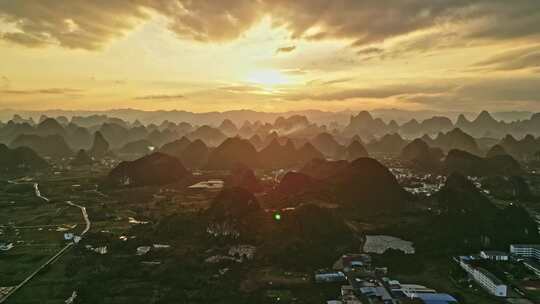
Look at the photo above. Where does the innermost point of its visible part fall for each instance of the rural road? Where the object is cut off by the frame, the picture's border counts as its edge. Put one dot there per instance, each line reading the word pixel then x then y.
pixel 56 256
pixel 38 193
pixel 85 216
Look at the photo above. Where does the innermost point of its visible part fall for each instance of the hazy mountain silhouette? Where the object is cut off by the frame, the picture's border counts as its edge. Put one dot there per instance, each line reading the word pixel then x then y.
pixel 327 145
pixel 481 223
pixel 210 136
pixel 421 155
pixel 176 148
pixel 322 169
pixel 235 207
pixel 276 155
pixel 256 141
pixel 231 152
pixel 21 159
pixel 195 155
pixel 367 185
pixel 307 153
pixel 472 165
pixel 138 147
pixel 100 146
pixel 523 149
pixel 496 151
pixel 455 139
pixel 294 183
pixel 364 125
pixel 47 146
pixel 243 177
pixel 153 169
pixel 388 144
pixel 115 134
pixel 81 159
pixel 78 137
pixel 355 150
pixel 228 128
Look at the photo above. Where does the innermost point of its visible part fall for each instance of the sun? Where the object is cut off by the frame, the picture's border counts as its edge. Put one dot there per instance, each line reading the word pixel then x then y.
pixel 268 78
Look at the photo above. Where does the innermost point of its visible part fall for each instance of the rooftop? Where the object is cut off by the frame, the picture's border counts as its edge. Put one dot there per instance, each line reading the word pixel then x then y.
pixel 494 253
pixel 536 246
pixel 492 277
pixel 435 298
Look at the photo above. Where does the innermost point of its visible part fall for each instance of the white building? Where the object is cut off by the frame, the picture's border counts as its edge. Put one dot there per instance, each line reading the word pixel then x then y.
pixel 408 289
pixel 100 250
pixel 484 278
pixel 494 255
pixel 531 254
pixel 526 251
pixel 142 250
pixel 243 251
pixel 325 277
pixel 6 247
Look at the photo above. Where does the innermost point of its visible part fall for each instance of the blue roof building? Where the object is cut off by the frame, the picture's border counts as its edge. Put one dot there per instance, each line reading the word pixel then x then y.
pixel 435 298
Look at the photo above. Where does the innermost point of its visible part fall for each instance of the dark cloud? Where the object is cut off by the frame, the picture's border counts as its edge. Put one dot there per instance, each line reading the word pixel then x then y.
pixel 480 92
pixel 370 51
pixel 523 58
pixel 241 88
pixel 4 82
pixel 91 24
pixel 51 91
pixel 320 82
pixel 373 93
pixel 295 71
pixel 208 20
pixel 28 40
pixel 286 49
pixel 77 24
pixel 372 21
pixel 442 92
pixel 161 97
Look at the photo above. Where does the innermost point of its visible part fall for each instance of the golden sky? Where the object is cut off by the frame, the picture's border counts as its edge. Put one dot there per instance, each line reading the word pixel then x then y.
pixel 270 55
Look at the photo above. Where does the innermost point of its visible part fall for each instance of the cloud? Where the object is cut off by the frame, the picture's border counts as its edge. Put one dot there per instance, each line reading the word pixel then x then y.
pixel 76 24
pixel 380 92
pixel 92 24
pixel 472 92
pixel 296 72
pixel 477 93
pixel 286 49
pixel 29 40
pixel 516 59
pixel 49 91
pixel 370 51
pixel 4 82
pixel 241 89
pixel 320 82
pixel 161 97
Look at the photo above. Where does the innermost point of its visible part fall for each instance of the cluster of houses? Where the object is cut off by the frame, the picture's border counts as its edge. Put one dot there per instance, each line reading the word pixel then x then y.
pixel 6 246
pixel 363 283
pixel 422 184
pixel 238 253
pixel 529 254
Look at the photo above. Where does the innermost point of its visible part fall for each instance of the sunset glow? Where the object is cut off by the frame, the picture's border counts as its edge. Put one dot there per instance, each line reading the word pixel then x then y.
pixel 232 54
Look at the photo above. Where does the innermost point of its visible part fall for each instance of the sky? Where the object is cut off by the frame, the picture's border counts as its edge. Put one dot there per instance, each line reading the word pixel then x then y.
pixel 270 55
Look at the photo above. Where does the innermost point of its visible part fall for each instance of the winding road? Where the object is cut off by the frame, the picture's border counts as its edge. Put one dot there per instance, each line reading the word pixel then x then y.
pixel 85 216
pixel 38 193
pixel 57 255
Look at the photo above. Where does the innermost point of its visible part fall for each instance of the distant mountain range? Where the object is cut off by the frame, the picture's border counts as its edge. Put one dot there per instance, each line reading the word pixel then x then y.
pixel 239 116
pixel 284 143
